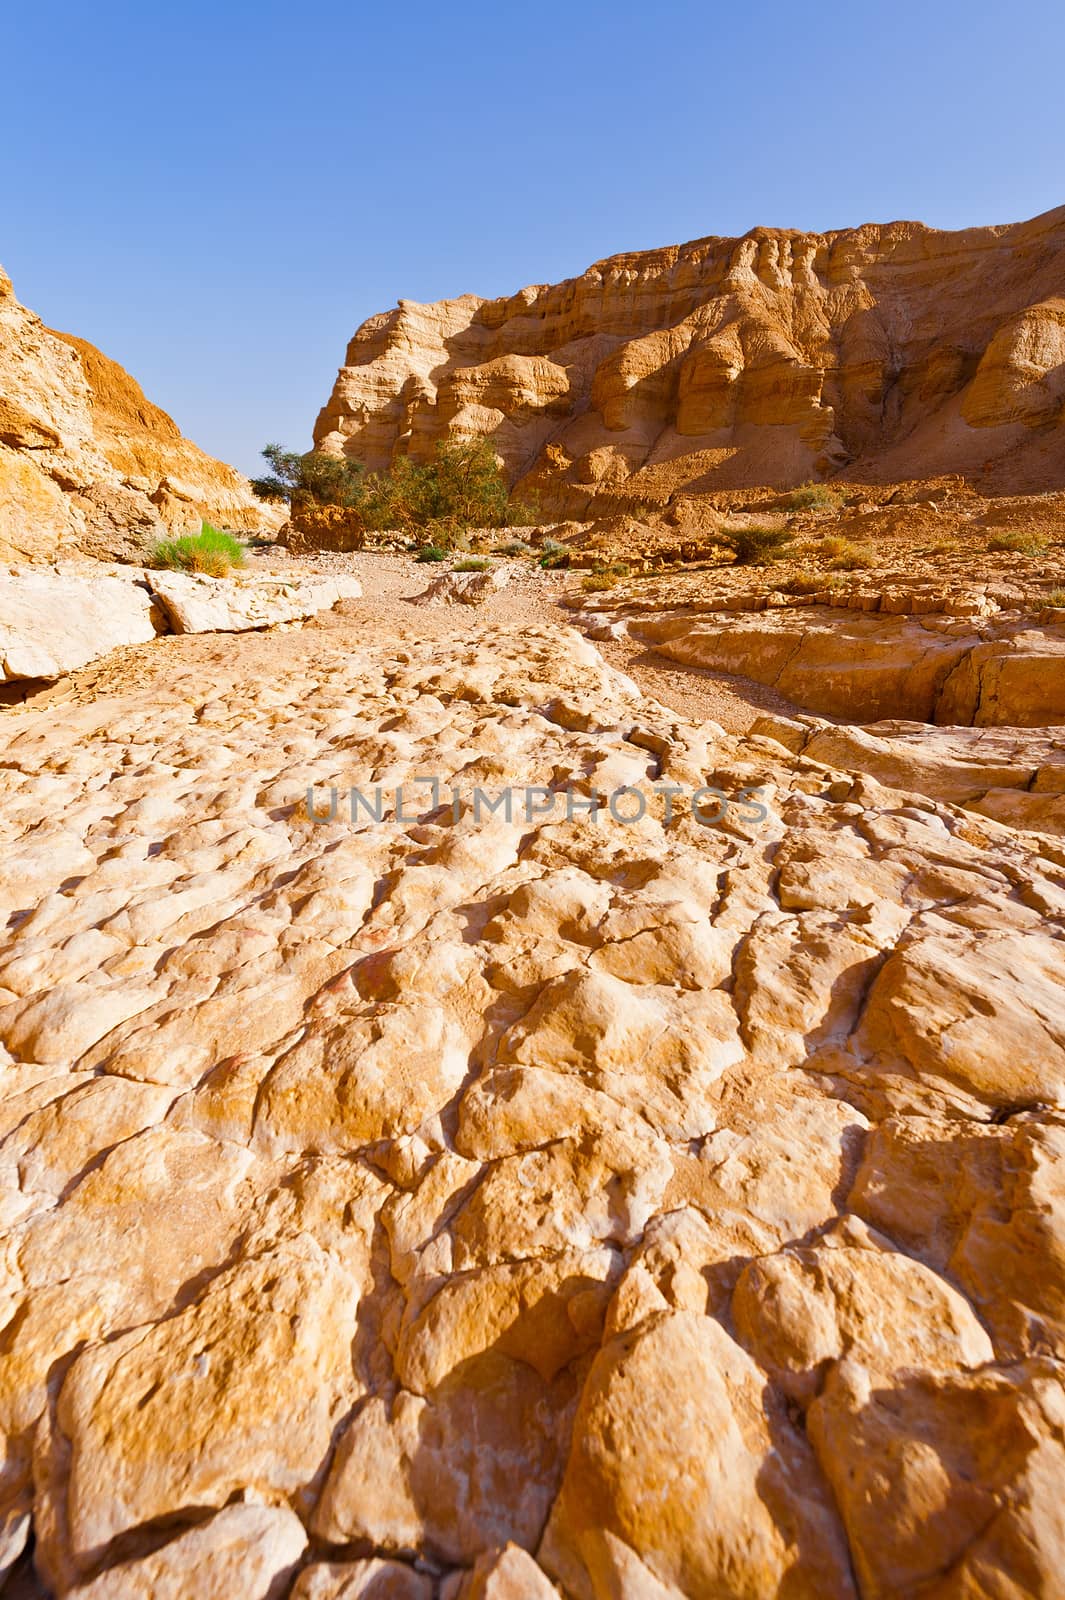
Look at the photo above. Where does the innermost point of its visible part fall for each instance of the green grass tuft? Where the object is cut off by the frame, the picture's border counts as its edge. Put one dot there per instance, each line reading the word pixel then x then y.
pixel 210 551
pixel 1018 544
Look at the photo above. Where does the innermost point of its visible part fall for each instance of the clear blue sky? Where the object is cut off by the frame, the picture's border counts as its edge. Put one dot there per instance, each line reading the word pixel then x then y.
pixel 217 194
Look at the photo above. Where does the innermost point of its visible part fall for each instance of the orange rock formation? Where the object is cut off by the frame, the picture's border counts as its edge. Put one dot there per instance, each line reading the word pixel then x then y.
pixel 873 354
pixel 87 463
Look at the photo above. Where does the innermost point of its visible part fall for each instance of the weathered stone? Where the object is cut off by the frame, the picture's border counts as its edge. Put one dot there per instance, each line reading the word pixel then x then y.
pixel 52 624
pixel 497 1199
pixel 195 603
pixel 462 588
pixel 87 464
pixel 245 1552
pixel 893 351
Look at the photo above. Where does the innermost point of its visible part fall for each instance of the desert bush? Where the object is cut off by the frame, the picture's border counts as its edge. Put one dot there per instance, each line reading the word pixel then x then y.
pixel 431 552
pixel 553 554
pixel 756 546
pixel 804 583
pixel 209 551
pixel 1019 544
pixel 850 557
pixel 834 545
pixel 604 575
pixel 314 478
pixel 1055 598
pixel 814 497
pixel 513 547
pixel 472 564
pixel 462 487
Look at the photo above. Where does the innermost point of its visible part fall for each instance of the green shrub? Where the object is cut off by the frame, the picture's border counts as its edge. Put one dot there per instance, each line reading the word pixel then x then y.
pixel 1019 544
pixel 814 497
pixel 605 576
pixel 553 554
pixel 431 552
pixel 472 564
pixel 209 551
pixel 757 546
pixel 852 557
pixel 514 547
pixel 314 478
pixel 804 583
pixel 463 487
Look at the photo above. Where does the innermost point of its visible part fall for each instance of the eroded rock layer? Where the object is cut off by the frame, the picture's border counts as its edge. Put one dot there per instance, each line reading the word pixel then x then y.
pixel 877 353
pixel 87 463
pixel 477 1205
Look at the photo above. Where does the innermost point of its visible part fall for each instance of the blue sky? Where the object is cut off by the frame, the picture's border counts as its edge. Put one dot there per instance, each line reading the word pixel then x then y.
pixel 217 194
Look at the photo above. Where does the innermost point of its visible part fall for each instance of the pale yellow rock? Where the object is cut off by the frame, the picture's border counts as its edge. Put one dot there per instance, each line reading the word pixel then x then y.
pixel 803 1310
pixel 438 1182
pixel 674 1457
pixel 87 463
pixel 361 1580
pixel 196 603
pixel 246 1552
pixel 895 350
pixel 181 1416
pixel 52 624
pixel 509 1574
pixel 947 1485
pixel 462 588
pixel 985 1205
pixel 986 1015
pixel 476 1465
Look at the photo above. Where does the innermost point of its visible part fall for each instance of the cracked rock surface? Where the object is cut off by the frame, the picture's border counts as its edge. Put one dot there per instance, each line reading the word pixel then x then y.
pixel 455 1205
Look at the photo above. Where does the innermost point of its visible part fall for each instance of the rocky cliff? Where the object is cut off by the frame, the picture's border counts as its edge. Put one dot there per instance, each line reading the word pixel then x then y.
pixel 87 463
pixel 872 354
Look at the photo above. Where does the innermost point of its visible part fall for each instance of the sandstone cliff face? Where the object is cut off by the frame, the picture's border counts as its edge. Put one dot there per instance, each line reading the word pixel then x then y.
pixel 875 354
pixel 87 463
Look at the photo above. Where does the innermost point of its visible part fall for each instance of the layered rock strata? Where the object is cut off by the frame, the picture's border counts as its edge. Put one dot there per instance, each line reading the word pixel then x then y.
pixel 873 354
pixel 929 668
pixel 482 1205
pixel 87 464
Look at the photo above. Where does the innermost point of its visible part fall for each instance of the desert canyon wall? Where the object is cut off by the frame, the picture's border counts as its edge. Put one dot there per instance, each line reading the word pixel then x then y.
pixel 621 1156
pixel 874 354
pixel 87 464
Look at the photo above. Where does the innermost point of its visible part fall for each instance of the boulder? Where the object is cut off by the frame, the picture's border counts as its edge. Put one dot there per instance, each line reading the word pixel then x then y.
pixel 462 588
pixel 52 623
pixel 196 603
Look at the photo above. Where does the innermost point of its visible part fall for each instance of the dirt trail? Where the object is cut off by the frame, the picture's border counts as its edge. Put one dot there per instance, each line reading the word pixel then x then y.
pixel 193 663
pixel 531 597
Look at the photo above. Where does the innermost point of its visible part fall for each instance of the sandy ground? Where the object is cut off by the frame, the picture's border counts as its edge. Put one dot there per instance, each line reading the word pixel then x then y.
pixel 531 597
pixel 181 663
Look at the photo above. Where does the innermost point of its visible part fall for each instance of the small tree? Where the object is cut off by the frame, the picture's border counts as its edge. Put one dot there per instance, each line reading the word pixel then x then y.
pixel 314 477
pixel 462 487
